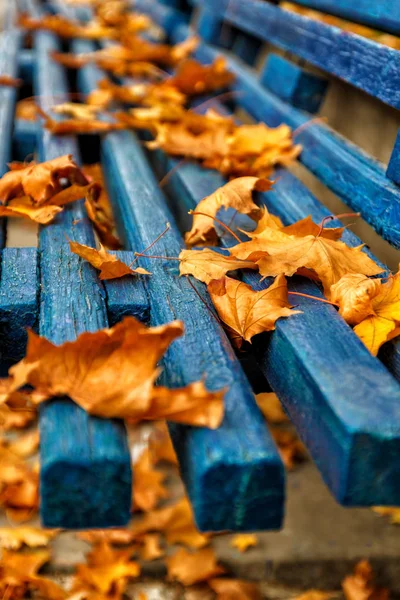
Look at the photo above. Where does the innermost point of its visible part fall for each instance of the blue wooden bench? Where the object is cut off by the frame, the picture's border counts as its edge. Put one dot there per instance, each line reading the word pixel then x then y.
pixel 344 402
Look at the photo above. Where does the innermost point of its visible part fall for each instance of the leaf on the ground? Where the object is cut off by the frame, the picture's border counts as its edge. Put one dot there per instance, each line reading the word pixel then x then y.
pixel 247 312
pixel 360 585
pixel 237 194
pixel 277 253
pixel 235 589
pixel 107 570
pixel 99 209
pixel 290 447
pixel 120 537
pixel 193 567
pixel 244 541
pixel 206 265
pixel 148 488
pixel 393 512
pixel 150 548
pixel 316 595
pixel 192 77
pixel 13 538
pixel 160 445
pixel 41 182
pixel 19 486
pixel 111 373
pixel 176 522
pixel 26 444
pixel 109 265
pixel 271 407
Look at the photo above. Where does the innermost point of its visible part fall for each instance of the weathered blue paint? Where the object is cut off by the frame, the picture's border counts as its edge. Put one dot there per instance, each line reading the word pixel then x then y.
pixel 24 139
pixel 293 84
pixel 19 303
pixel 380 14
pixel 10 43
pixel 342 166
pixel 393 170
pixel 370 66
pixel 235 481
pixel 127 296
pixel 85 463
pixel 342 400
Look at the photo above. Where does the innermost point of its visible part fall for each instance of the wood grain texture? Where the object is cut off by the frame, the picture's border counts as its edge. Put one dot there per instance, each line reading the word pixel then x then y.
pixel 370 66
pixel 342 400
pixel 293 84
pixel 217 466
pixel 382 14
pixel 10 44
pixel 85 461
pixel 358 179
pixel 19 303
pixel 126 296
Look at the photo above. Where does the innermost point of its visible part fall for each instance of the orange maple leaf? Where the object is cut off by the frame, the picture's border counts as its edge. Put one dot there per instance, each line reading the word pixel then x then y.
pixel 193 567
pixel 109 265
pixel 360 585
pixel 206 265
pixel 235 589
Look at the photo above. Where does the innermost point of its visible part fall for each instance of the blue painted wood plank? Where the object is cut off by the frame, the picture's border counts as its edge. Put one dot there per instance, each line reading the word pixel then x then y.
pixel 293 84
pixel 126 296
pixel 19 303
pixel 247 47
pixel 393 170
pixel 370 66
pixel 249 465
pixel 85 463
pixel 342 400
pixel 342 166
pixel 10 44
pixel 24 139
pixel 383 15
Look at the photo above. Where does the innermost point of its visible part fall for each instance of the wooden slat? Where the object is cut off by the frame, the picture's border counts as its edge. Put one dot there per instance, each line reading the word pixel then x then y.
pixel 342 400
pixel 370 66
pixel 19 302
pixel 126 296
pixel 342 166
pixel 380 14
pixel 85 462
pixel 240 453
pixel 24 139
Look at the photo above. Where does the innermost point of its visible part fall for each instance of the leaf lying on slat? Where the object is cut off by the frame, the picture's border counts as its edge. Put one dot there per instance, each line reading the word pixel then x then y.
pixel 109 265
pixel 206 265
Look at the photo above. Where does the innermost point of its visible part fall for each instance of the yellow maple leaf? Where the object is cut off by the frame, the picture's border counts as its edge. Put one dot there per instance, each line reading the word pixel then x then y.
pixel 244 541
pixel 206 265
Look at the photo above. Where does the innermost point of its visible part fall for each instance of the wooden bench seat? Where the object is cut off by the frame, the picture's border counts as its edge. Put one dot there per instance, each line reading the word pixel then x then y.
pixel 344 402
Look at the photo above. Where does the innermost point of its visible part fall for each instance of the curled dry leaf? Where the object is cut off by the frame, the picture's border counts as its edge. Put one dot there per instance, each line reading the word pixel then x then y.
pixel 111 373
pixel 389 511
pixel 40 182
pixel 98 208
pixel 120 537
pixel 247 312
pixel 276 252
pixel 237 194
pixel 81 126
pixel 372 306
pixel 148 488
pixel 22 208
pixel 316 595
pixel 271 408
pixel 151 549
pixel 107 570
pixel 290 447
pixel 192 78
pixel 13 538
pixel 19 493
pixel 244 541
pixel 109 265
pixel 81 112
pixel 206 265
pixel 25 445
pixel 193 567
pixel 361 586
pixel 235 589
pixel 176 522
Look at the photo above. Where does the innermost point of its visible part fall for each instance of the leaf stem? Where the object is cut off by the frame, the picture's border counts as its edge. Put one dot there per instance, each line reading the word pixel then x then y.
pixel 137 254
pixel 233 234
pixel 333 218
pixel 313 298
